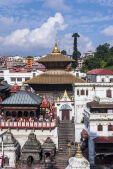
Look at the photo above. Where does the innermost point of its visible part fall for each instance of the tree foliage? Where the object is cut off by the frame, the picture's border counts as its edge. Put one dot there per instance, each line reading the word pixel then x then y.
pixel 102 58
pixel 64 52
pixel 76 53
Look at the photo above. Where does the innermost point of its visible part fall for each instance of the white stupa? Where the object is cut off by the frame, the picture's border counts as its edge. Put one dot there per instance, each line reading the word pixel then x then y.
pixel 78 162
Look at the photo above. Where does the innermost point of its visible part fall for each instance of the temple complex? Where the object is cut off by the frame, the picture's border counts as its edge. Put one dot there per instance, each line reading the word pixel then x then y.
pixel 56 79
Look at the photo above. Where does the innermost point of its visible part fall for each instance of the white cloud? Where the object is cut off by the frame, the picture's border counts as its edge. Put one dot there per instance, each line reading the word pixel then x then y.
pixel 98 18
pixel 108 31
pixel 84 44
pixel 56 4
pixel 25 40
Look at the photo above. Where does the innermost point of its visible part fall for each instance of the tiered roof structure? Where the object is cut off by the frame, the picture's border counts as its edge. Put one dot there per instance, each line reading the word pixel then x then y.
pixel 55 80
pixel 56 74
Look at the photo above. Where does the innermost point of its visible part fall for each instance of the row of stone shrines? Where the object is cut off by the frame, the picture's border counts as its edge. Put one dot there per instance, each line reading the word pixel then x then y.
pixel 32 153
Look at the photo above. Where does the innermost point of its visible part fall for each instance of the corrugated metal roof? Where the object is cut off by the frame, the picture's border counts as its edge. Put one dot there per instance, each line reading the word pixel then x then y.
pixel 23 97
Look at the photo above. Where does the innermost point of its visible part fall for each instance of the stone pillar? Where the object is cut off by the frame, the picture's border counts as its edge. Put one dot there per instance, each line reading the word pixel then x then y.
pixel 91 146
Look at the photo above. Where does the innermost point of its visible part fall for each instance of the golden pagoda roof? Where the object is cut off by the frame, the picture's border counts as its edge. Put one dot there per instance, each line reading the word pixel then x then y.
pixel 56 50
pixel 55 77
pixel 55 56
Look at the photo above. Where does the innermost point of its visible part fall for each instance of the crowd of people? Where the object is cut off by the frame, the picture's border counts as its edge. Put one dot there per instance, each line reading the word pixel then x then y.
pixel 42 117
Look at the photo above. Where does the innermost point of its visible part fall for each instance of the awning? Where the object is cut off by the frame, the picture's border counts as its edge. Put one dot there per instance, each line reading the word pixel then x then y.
pixel 103 140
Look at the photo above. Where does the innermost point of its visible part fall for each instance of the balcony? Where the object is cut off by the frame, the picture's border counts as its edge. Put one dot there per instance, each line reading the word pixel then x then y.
pixel 98 116
pixel 28 125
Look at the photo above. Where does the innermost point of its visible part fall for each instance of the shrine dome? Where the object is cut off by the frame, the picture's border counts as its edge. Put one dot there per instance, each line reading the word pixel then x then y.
pixel 78 162
pixel 15 88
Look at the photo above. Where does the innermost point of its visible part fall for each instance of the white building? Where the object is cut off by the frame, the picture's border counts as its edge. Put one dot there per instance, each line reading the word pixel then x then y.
pixel 99 125
pixel 18 76
pixel 100 76
pixel 12 58
pixel 94 108
pixel 78 73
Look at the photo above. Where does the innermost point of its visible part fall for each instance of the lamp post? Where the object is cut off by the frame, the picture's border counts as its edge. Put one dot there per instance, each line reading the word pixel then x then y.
pixel 69 145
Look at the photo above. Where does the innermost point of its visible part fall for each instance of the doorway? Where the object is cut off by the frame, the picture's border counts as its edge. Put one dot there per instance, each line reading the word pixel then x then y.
pixel 66 115
pixel 30 161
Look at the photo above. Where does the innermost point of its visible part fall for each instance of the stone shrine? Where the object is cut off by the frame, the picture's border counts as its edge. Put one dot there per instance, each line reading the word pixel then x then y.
pixel 31 151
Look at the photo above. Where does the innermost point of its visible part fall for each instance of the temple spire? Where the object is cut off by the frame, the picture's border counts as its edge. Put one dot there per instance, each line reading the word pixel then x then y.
pixel 78 153
pixel 56 50
pixel 65 94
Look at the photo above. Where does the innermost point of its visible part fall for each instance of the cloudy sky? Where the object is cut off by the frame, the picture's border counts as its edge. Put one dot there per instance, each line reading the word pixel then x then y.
pixel 30 27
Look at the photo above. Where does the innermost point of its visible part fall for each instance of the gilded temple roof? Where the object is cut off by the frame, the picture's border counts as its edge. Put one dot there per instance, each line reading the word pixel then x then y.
pixel 55 77
pixel 55 56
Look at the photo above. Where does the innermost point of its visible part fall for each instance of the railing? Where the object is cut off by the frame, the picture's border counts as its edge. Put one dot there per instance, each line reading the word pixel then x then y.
pixel 32 124
pixel 98 116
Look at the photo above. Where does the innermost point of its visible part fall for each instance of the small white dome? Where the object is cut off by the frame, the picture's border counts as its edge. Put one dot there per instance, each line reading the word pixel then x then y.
pixel 78 162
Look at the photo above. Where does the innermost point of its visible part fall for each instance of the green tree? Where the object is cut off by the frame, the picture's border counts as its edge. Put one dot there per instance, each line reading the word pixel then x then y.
pixel 102 52
pixel 64 52
pixel 29 56
pixel 75 50
pixel 103 58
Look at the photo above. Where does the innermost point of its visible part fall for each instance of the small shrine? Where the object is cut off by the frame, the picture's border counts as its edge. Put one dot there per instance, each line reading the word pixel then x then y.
pixel 31 151
pixel 48 152
pixel 11 149
pixel 78 162
pixel 45 108
pixel 15 88
pixel 65 107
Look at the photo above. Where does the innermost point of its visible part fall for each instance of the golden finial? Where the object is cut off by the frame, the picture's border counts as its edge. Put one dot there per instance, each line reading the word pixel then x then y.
pixel 58 99
pixel 65 94
pixel 72 98
pixel 78 153
pixel 56 50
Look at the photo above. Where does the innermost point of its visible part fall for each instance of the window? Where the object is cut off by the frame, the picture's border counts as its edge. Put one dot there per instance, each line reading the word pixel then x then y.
pixel 19 79
pixel 77 92
pixel 108 93
pixel 86 92
pixel 110 127
pixel 100 127
pixel 34 74
pixel 13 79
pixel 102 79
pixel 27 78
pixel 77 74
pixel 82 92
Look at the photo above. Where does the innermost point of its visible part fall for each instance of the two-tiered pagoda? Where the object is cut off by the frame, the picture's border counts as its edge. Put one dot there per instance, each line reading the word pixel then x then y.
pixel 56 80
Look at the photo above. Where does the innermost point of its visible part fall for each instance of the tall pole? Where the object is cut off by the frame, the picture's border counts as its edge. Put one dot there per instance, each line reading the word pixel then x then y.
pixel 69 145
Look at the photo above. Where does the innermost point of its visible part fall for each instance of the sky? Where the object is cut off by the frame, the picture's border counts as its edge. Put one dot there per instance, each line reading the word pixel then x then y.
pixel 31 27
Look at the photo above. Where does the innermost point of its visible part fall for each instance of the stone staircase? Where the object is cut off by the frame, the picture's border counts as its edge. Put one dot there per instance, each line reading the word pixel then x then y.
pixel 66 134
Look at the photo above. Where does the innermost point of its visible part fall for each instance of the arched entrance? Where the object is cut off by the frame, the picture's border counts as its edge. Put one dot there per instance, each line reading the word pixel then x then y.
pixel 30 161
pixel 65 108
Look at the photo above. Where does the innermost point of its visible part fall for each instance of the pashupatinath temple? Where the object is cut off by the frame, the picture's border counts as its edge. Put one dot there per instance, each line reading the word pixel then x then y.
pixel 56 79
